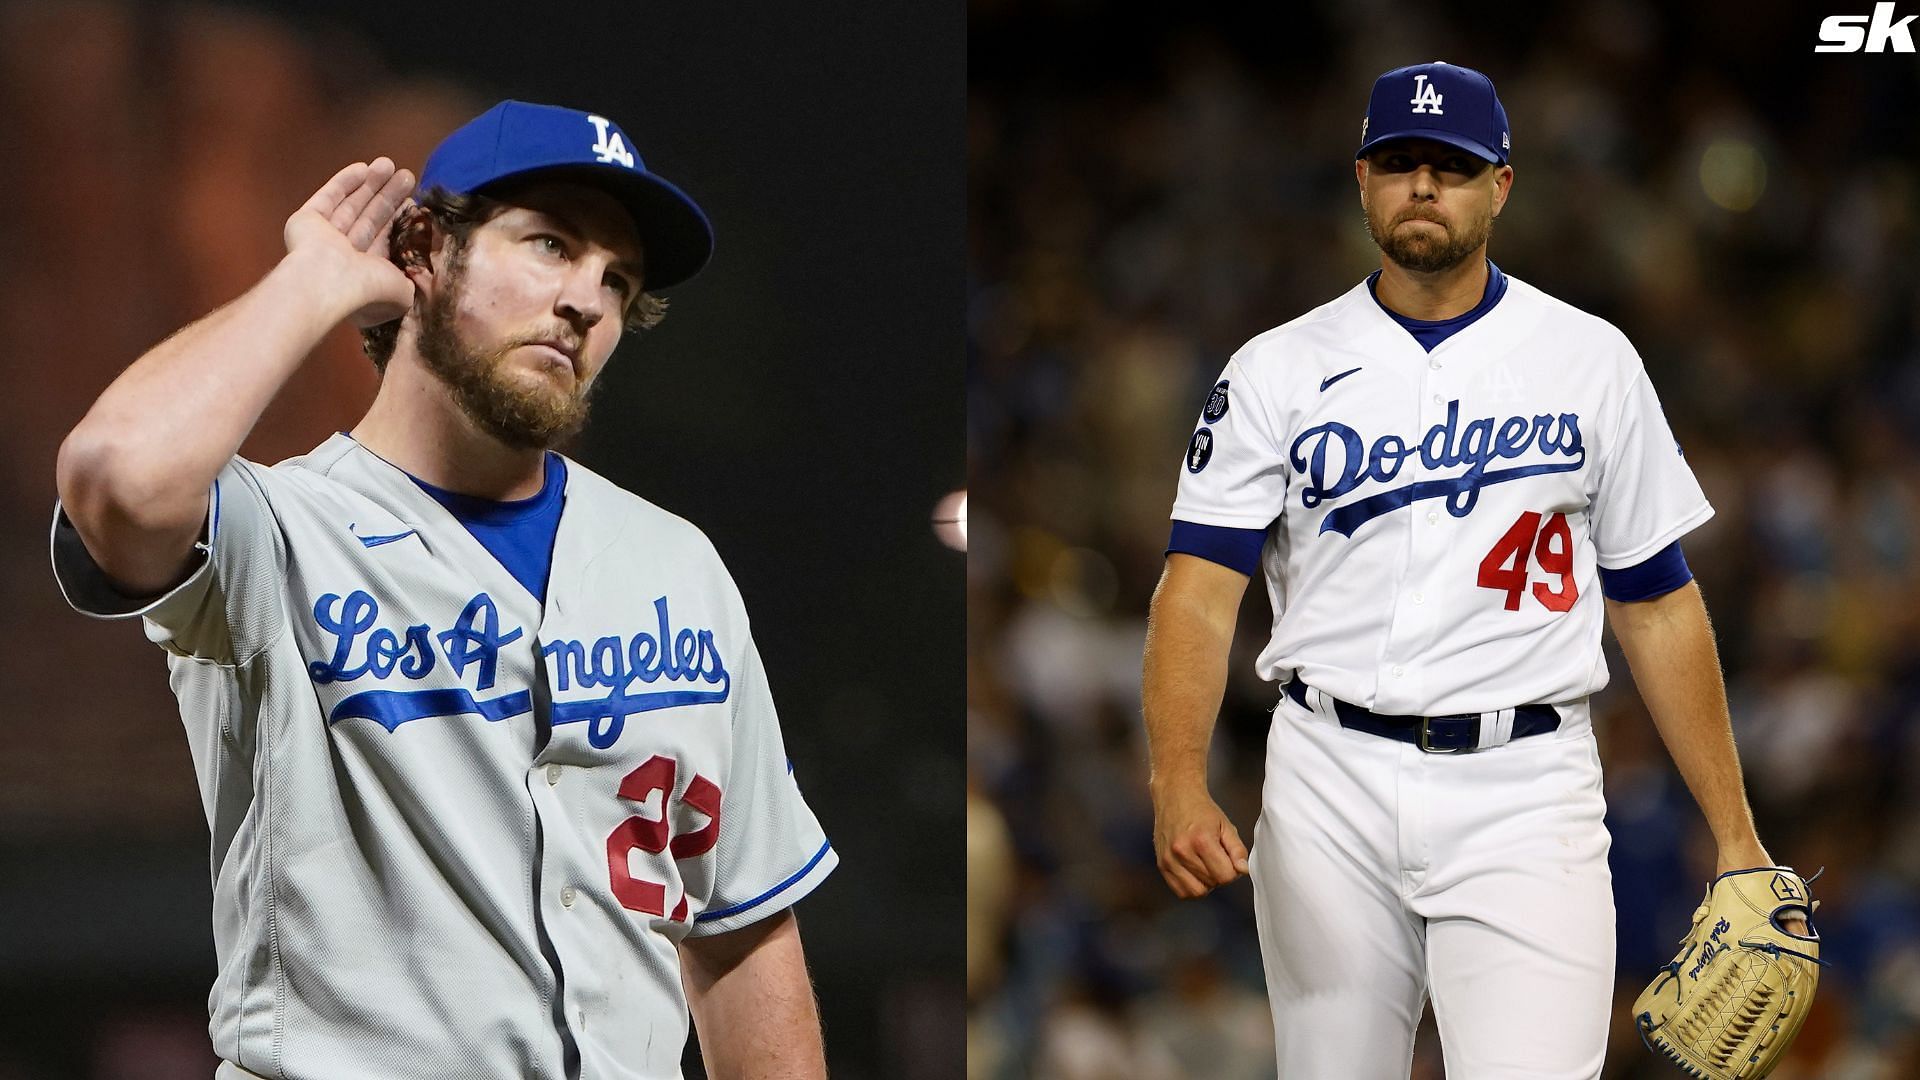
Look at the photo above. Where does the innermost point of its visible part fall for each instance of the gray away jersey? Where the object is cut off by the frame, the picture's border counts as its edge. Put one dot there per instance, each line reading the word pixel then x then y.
pixel 456 834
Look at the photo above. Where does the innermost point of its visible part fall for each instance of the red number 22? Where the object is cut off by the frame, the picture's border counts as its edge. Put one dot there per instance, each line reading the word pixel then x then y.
pixel 654 835
pixel 1505 567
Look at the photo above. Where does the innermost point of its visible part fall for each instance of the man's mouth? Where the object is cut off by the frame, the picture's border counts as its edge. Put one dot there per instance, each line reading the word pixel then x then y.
pixel 562 352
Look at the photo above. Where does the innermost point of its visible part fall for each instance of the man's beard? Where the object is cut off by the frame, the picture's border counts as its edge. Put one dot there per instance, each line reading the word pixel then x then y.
pixel 1422 252
pixel 505 406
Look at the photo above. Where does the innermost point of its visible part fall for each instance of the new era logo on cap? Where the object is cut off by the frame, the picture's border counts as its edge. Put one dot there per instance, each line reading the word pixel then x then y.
pixel 1440 101
pixel 519 140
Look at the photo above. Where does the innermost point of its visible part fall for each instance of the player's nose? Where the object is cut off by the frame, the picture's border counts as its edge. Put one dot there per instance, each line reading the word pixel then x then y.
pixel 582 302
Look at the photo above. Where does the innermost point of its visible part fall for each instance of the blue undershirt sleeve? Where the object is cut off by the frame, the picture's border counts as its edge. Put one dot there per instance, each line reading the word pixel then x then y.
pixel 1235 549
pixel 1662 572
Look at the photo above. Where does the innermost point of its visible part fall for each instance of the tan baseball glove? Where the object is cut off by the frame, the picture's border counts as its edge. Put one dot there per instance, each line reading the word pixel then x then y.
pixel 1731 1002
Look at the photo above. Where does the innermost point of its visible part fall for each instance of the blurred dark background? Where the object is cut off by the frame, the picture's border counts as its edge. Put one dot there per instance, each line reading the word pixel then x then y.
pixel 802 403
pixel 1147 193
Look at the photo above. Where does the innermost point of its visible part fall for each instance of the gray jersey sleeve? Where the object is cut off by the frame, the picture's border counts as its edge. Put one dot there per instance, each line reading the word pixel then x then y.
pixel 771 850
pixel 230 606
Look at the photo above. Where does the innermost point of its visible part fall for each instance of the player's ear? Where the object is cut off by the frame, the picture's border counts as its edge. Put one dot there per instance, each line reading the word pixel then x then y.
pixel 414 241
pixel 1502 186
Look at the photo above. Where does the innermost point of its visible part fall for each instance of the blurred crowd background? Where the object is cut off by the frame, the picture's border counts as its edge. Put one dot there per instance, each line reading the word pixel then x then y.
pixel 152 151
pixel 1146 194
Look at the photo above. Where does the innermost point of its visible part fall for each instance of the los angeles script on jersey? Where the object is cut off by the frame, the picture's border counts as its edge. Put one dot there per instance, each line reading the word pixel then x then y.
pixel 1447 444
pixel 628 667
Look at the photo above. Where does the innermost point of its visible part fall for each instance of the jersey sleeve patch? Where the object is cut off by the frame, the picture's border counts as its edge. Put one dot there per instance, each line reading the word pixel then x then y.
pixel 1200 450
pixel 1661 573
pixel 1216 403
pixel 1235 549
pixel 1233 472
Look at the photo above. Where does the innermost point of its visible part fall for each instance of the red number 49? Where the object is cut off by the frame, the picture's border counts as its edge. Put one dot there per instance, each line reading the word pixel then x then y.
pixel 1505 567
pixel 654 835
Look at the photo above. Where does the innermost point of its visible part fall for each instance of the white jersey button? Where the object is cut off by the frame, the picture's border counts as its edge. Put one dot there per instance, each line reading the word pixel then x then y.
pixel 1438 400
pixel 553 774
pixel 566 896
pixel 1419 598
pixel 1433 517
pixel 1398 671
pixel 1434 364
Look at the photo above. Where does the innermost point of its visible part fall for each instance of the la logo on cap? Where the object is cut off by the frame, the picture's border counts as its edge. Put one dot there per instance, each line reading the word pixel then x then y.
pixel 611 150
pixel 1426 96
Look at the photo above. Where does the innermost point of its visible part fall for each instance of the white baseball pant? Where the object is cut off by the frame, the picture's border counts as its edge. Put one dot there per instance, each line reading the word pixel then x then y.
pixel 1382 873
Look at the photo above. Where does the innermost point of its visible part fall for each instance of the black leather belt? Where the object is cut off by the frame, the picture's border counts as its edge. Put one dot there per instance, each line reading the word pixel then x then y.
pixel 1433 734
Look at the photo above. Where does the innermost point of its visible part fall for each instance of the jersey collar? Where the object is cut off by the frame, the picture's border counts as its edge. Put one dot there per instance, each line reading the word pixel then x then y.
pixel 1430 333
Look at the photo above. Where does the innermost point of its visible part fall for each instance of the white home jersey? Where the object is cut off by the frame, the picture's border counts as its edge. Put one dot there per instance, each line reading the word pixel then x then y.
pixel 456 833
pixel 1436 521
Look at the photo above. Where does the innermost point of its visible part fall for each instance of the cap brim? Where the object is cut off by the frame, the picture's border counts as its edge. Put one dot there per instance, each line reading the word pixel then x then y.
pixel 676 239
pixel 1479 150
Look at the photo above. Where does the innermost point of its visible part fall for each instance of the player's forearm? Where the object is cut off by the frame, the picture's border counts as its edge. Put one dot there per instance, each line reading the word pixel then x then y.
pixel 752 1003
pixel 1669 645
pixel 155 439
pixel 1184 677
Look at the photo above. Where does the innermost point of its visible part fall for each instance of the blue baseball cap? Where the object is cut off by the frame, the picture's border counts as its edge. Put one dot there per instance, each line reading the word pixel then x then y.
pixel 517 140
pixel 1439 101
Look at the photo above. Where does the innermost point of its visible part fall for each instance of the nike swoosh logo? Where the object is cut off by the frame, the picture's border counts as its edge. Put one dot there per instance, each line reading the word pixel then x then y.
pixel 376 541
pixel 1331 379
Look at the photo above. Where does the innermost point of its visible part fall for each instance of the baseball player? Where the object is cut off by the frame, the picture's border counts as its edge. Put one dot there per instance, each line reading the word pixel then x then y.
pixel 494 779
pixel 1445 477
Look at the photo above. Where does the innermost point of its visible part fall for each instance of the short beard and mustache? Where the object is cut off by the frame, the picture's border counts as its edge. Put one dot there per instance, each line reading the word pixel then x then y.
pixel 1420 251
pixel 526 417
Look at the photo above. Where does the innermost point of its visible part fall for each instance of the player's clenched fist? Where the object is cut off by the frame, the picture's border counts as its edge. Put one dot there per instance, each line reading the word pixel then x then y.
pixel 344 229
pixel 1195 845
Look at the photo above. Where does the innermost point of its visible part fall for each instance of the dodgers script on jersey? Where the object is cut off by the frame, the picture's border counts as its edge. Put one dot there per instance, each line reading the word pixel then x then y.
pixel 457 833
pixel 1436 521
